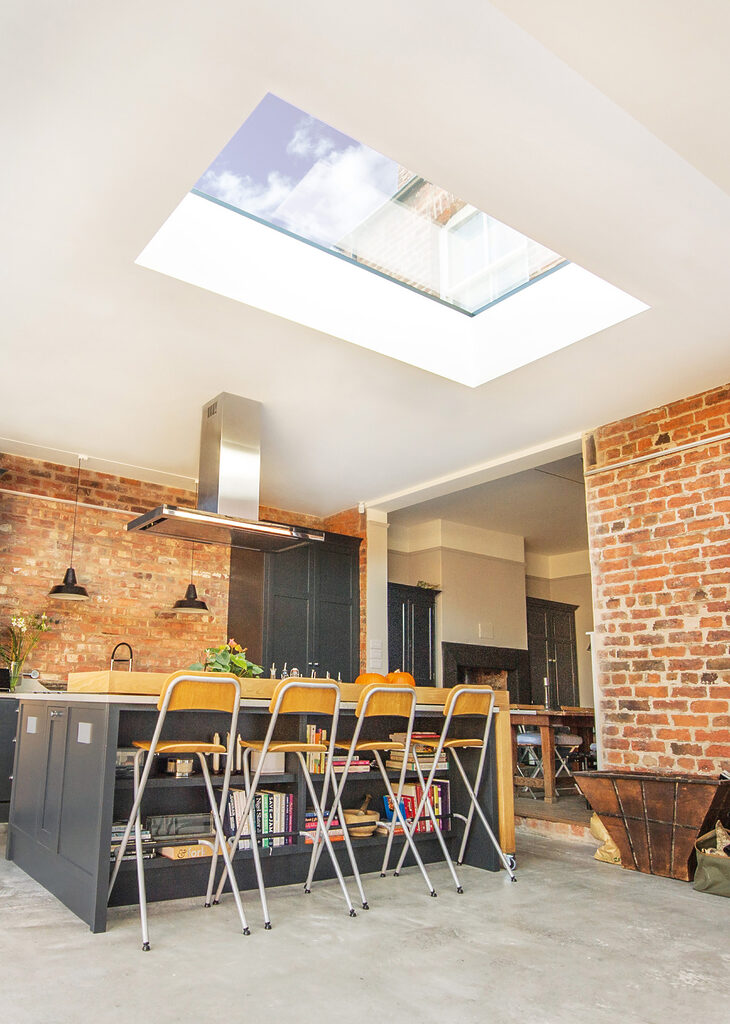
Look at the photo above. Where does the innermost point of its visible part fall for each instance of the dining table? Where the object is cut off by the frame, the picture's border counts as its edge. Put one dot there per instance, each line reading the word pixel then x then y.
pixel 548 721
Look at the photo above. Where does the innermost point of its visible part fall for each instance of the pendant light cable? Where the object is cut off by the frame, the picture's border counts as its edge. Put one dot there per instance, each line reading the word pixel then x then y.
pixel 76 509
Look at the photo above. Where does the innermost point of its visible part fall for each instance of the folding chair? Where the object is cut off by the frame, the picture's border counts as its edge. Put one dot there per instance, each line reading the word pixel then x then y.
pixel 566 744
pixel 472 701
pixel 292 696
pixel 185 691
pixel 376 701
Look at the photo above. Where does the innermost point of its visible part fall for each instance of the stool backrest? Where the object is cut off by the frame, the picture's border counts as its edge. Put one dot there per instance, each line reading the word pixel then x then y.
pixel 198 691
pixel 308 696
pixel 379 699
pixel 463 700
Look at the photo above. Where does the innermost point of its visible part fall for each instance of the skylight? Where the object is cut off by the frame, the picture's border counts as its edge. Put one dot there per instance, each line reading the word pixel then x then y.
pixel 300 220
pixel 295 173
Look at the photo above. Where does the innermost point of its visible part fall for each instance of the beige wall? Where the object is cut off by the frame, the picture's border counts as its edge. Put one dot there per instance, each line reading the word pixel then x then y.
pixel 572 590
pixel 476 590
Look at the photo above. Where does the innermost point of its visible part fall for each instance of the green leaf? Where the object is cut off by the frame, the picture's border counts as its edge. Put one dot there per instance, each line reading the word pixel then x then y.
pixel 197 667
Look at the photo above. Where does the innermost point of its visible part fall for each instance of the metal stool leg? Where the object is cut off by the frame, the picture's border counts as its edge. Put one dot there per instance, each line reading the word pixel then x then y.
pixel 255 842
pixel 475 805
pixel 424 802
pixel 398 817
pixel 221 838
pixel 140 859
pixel 322 827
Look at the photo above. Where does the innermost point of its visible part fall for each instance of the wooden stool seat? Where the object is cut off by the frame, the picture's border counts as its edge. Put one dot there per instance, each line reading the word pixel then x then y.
pixel 450 744
pixel 181 747
pixel 285 746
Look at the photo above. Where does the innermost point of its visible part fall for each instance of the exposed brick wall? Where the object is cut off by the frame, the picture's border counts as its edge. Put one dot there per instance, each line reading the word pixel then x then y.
pixel 660 551
pixel 132 580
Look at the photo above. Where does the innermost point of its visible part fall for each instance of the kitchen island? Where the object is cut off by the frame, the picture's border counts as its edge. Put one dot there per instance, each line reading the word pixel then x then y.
pixel 67 793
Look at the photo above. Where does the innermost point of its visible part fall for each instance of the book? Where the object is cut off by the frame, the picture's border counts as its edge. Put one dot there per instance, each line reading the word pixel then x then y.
pixel 192 851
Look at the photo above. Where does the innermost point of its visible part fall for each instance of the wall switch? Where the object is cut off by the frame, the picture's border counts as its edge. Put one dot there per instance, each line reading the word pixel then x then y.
pixel 486 631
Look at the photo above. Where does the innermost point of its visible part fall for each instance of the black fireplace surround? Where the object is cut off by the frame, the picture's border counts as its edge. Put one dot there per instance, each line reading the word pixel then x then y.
pixel 458 658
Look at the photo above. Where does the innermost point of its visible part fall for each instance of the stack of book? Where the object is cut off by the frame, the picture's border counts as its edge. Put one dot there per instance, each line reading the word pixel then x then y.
pixel 274 816
pixel 148 844
pixel 358 764
pixel 411 798
pixel 425 754
pixel 310 827
pixel 316 762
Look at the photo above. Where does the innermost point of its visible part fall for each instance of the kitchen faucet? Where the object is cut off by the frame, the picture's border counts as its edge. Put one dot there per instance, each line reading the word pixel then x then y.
pixel 123 661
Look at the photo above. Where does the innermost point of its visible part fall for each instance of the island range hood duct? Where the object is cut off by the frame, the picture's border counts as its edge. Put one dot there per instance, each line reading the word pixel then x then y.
pixel 228 489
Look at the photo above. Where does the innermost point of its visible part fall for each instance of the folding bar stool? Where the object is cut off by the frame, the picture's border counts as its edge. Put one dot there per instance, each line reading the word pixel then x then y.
pixel 529 743
pixel 184 691
pixel 566 744
pixel 381 701
pixel 470 701
pixel 291 696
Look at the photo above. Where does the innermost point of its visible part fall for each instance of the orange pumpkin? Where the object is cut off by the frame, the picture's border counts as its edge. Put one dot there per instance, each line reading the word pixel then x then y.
pixel 401 679
pixel 368 678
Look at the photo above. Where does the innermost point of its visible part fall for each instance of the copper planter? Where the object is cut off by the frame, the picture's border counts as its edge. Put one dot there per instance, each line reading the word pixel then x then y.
pixel 654 819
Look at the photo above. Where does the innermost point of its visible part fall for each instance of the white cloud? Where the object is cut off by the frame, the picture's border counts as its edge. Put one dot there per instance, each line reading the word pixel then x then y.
pixel 244 193
pixel 337 194
pixel 308 141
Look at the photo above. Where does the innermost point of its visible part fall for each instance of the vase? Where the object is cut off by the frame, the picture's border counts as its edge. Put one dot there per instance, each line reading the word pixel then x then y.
pixel 16 674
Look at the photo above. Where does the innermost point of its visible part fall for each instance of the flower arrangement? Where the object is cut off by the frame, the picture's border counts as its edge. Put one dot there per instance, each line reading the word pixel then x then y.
pixel 22 634
pixel 230 657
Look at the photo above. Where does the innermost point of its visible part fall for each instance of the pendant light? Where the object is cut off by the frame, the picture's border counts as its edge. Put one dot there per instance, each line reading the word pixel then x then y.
pixel 70 590
pixel 191 604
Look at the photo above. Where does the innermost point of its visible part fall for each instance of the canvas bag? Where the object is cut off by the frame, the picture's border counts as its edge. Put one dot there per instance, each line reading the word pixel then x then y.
pixel 713 872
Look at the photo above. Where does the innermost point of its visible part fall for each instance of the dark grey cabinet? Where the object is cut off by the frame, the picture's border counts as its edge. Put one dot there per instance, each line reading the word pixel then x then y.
pixel 8 725
pixel 552 649
pixel 412 632
pixel 312 608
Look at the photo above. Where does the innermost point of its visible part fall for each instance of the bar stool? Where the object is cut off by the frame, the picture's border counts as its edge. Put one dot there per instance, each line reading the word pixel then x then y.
pixel 469 701
pixel 291 696
pixel 185 691
pixel 376 701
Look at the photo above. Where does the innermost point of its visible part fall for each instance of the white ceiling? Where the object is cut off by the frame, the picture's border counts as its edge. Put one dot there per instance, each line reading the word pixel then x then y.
pixel 545 505
pixel 110 113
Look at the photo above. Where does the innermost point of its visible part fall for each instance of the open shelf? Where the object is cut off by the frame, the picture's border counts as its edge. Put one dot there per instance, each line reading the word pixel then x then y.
pixel 162 781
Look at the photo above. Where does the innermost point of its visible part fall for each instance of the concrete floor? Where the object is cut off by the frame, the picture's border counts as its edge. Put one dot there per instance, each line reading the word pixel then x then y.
pixel 573 941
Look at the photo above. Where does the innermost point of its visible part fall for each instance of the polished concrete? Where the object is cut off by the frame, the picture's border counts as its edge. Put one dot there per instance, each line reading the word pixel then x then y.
pixel 574 940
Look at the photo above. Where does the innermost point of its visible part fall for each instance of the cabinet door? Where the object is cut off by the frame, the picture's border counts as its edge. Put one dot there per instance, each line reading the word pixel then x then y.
pixel 421 635
pixel 30 764
pixel 398 628
pixel 551 645
pixel 336 614
pixel 49 816
pixel 289 610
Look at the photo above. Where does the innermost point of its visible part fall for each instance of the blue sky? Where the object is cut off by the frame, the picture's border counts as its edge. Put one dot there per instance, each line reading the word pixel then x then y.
pixel 292 170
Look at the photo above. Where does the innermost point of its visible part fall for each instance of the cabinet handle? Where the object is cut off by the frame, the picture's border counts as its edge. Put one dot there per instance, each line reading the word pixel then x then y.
pixel 56 714
pixel 403 648
pixel 430 645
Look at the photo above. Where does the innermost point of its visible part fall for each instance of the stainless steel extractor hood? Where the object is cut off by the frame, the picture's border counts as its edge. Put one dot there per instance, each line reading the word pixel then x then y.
pixel 228 490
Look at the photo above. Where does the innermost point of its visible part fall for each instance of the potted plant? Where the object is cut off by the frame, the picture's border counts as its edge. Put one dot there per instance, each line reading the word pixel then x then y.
pixel 230 657
pixel 21 635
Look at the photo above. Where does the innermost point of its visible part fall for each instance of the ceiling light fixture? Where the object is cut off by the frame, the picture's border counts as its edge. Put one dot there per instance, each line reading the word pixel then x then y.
pixel 70 589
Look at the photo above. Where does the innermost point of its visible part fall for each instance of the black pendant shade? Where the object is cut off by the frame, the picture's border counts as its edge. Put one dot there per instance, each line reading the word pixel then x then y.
pixel 69 590
pixel 191 603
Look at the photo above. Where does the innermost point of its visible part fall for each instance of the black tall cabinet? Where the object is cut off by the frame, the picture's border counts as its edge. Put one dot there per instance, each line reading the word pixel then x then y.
pixel 552 648
pixel 311 615
pixel 412 632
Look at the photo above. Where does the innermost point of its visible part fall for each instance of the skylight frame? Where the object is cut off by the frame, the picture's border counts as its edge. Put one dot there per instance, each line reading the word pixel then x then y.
pixel 373 270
